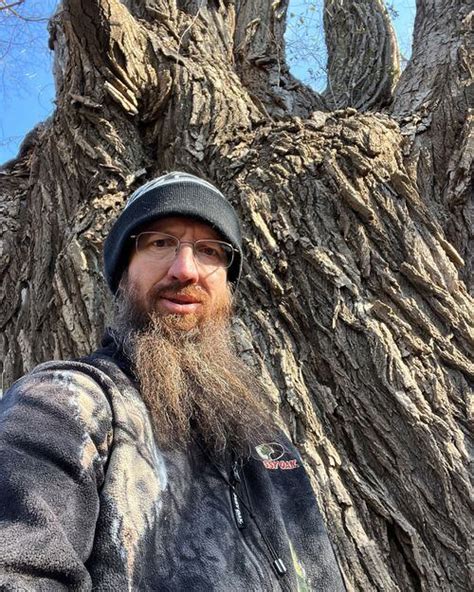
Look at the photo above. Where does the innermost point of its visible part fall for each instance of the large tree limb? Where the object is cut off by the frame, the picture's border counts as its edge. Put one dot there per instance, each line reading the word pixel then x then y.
pixel 363 59
pixel 261 64
pixel 432 102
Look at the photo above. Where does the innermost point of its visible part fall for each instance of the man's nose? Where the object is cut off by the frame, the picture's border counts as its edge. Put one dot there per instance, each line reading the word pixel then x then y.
pixel 184 266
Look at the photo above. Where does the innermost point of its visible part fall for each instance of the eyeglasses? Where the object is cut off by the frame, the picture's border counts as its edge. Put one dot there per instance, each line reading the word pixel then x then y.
pixel 158 246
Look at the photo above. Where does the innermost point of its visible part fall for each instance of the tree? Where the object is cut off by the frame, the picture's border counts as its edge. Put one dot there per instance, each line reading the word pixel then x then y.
pixel 356 222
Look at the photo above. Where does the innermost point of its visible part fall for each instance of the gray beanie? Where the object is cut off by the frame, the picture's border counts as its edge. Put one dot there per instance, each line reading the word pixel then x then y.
pixel 174 194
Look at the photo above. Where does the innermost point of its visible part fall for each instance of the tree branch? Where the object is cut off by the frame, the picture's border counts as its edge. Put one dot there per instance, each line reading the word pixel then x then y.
pixel 4 6
pixel 350 297
pixel 28 19
pixel 431 103
pixel 363 58
pixel 261 62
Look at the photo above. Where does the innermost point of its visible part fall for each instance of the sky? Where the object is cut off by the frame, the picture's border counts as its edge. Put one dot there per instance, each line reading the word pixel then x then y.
pixel 26 81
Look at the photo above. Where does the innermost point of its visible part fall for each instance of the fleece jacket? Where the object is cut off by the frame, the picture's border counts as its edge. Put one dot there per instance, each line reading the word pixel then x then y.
pixel 88 501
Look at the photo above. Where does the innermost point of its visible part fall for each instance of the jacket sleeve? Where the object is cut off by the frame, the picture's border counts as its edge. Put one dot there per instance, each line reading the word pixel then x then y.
pixel 55 430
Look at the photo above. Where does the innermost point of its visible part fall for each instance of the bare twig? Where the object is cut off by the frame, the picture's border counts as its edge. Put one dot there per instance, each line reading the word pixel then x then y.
pixel 10 8
pixel 189 27
pixel 4 6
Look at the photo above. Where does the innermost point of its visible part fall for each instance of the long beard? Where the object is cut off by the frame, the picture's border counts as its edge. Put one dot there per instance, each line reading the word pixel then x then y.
pixel 193 382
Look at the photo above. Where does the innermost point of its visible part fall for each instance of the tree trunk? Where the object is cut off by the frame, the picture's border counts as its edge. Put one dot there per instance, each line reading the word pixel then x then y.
pixel 351 302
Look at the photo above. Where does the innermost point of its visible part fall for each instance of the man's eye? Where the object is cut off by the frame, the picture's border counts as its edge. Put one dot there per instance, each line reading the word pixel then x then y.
pixel 162 243
pixel 212 251
pixel 209 251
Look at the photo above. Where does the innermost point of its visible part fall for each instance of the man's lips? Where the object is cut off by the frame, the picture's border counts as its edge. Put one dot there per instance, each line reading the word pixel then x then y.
pixel 181 298
pixel 179 303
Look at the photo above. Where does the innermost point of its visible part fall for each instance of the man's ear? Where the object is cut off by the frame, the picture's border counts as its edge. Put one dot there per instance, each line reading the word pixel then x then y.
pixel 123 283
pixel 232 288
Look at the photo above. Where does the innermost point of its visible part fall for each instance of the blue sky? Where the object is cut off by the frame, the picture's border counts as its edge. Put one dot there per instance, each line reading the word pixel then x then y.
pixel 26 82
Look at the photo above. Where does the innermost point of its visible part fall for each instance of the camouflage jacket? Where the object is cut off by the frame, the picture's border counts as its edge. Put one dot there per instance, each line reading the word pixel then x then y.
pixel 89 502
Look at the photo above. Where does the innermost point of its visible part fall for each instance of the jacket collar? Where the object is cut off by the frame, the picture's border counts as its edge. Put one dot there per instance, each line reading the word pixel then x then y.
pixel 110 349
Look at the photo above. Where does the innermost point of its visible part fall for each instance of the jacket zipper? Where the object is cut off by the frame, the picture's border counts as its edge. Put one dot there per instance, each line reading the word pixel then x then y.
pixel 237 502
pixel 276 562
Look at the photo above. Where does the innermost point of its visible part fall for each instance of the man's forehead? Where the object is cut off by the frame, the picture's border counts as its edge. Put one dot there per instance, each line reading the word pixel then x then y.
pixel 181 224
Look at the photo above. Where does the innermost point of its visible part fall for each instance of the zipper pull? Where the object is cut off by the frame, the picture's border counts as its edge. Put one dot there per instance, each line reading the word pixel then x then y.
pixel 235 477
pixel 279 567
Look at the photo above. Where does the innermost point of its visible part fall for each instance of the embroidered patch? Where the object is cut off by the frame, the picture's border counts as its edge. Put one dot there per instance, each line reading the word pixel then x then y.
pixel 271 451
pixel 271 457
pixel 285 465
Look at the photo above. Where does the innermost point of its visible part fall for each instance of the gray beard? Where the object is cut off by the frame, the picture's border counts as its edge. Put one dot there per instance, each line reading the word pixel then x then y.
pixel 193 382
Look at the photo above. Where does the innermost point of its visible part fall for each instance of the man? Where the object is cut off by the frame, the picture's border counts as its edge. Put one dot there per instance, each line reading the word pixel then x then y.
pixel 153 464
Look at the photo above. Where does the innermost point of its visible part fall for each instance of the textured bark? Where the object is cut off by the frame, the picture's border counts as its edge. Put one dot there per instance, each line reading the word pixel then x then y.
pixel 350 304
pixel 363 59
pixel 433 103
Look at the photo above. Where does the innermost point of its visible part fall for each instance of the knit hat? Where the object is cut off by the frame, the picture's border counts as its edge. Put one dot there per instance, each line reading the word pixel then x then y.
pixel 174 194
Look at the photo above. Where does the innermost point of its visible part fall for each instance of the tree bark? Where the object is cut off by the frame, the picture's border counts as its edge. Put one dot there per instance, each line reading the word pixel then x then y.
pixel 351 303
pixel 433 103
pixel 363 56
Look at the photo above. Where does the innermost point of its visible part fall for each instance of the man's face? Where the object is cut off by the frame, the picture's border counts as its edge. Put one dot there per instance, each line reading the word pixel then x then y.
pixel 173 322
pixel 181 287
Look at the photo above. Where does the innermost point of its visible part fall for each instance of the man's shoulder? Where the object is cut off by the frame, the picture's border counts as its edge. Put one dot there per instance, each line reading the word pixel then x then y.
pixel 60 380
pixel 82 372
pixel 57 397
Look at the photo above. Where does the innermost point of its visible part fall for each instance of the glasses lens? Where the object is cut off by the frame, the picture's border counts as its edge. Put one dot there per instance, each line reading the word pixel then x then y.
pixel 213 253
pixel 209 253
pixel 157 244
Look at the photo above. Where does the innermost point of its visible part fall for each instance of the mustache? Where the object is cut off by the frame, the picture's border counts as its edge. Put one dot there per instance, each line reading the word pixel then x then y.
pixel 178 288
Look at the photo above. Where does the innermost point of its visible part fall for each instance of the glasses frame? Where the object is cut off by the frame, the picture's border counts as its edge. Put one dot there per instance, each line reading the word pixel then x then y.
pixel 136 237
